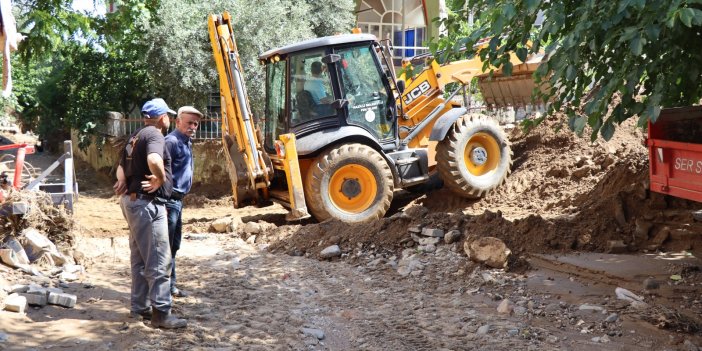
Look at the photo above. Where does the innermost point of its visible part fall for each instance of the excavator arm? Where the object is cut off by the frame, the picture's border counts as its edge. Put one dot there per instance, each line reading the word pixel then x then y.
pixel 250 169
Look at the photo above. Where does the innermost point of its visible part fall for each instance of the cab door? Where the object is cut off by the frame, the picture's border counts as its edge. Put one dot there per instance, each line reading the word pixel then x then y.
pixel 365 87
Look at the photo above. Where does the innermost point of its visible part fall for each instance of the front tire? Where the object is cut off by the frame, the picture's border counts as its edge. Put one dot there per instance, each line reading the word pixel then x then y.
pixel 352 183
pixel 475 156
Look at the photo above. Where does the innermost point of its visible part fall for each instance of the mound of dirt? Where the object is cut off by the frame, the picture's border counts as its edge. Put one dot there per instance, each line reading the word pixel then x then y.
pixel 565 193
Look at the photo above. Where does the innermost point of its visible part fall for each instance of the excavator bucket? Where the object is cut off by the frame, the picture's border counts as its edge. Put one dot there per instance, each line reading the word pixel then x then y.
pixel 516 90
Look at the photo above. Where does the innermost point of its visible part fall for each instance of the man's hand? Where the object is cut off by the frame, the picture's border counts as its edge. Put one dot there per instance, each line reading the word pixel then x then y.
pixel 151 184
pixel 120 187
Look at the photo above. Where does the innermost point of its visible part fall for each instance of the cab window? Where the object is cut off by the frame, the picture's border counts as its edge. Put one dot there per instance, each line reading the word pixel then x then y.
pixel 363 87
pixel 275 102
pixel 311 93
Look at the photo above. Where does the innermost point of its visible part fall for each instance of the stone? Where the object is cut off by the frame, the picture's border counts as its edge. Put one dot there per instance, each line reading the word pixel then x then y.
pixel 619 215
pixel 417 211
pixel 616 246
pixel 16 303
pixel 4 337
pixel 251 240
pixel 589 307
pixel 427 248
pixel 15 246
pixel 61 299
pixel 513 332
pixel 429 241
pixel 37 244
pixel 433 232
pixel 252 228
pixel 582 171
pixel 651 284
pixel 488 250
pixel 505 307
pixel 452 236
pixel 642 228
pixel 484 330
pixel 330 251
pixel 415 229
pixel 520 310
pixel 659 238
pixel 317 333
pixel 612 318
pixel 68 276
pixel 697 215
pixel 226 224
pixel 688 345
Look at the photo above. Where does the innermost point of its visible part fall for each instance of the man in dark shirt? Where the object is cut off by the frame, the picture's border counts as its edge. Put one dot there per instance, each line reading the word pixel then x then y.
pixel 144 183
pixel 180 147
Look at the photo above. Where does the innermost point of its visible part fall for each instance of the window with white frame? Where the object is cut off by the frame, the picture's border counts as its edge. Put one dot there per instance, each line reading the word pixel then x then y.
pixel 401 21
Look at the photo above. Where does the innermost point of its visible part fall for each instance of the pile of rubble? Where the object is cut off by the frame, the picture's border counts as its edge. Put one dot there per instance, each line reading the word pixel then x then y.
pixel 37 241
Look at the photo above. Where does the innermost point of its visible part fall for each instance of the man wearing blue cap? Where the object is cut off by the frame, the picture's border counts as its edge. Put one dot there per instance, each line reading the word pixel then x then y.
pixel 180 147
pixel 144 182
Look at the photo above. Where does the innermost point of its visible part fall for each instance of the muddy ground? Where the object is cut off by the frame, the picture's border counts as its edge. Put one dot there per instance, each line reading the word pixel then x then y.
pixel 577 216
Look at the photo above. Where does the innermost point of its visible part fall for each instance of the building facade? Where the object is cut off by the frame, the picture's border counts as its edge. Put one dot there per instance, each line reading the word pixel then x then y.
pixel 406 23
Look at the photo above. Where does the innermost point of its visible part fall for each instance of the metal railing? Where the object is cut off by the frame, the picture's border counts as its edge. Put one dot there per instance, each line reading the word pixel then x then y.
pixel 209 129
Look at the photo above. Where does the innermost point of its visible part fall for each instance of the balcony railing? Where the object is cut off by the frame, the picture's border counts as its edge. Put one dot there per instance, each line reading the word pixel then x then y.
pixel 209 129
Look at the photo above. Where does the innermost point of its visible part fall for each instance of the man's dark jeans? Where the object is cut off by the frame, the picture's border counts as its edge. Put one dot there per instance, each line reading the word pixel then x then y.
pixel 175 233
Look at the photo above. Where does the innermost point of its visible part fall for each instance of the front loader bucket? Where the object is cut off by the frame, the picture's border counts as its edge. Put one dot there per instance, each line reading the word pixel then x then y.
pixel 501 91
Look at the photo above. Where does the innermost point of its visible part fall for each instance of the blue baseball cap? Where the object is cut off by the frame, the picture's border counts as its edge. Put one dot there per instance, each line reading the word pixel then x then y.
pixel 155 107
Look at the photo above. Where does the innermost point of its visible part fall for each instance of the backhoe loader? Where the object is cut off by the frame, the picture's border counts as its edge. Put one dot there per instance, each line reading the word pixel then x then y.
pixel 341 132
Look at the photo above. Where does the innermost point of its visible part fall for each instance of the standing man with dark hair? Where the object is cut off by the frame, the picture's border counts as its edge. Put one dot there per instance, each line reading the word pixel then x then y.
pixel 144 183
pixel 180 146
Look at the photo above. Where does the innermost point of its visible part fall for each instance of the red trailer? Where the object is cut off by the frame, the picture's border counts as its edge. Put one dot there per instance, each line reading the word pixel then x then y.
pixel 675 153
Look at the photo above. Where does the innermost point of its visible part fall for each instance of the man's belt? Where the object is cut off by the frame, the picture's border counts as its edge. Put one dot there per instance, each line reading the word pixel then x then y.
pixel 177 195
pixel 140 196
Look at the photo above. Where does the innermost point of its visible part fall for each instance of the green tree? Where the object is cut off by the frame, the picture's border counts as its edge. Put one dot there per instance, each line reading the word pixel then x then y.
pixel 606 61
pixel 180 55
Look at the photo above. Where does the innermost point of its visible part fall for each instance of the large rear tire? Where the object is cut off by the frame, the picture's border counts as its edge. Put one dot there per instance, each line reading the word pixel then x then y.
pixel 475 156
pixel 350 182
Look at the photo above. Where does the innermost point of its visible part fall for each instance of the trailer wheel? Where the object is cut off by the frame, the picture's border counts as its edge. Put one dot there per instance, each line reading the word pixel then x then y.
pixel 350 182
pixel 475 156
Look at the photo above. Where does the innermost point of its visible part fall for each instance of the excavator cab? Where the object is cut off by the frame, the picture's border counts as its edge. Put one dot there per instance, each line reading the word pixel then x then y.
pixel 324 84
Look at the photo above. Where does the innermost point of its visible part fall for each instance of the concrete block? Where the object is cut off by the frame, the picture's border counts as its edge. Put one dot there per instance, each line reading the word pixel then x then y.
pixel 20 208
pixel 36 299
pixel 16 303
pixel 433 232
pixel 61 299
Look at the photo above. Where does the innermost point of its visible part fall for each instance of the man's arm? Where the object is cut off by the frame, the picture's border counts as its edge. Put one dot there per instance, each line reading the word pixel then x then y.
pixel 120 186
pixel 154 181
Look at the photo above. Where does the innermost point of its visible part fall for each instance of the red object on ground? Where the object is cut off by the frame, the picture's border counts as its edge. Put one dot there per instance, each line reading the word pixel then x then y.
pixel 22 150
pixel 675 153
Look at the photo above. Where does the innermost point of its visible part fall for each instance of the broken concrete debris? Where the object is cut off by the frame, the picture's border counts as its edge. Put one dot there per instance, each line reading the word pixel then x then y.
pixel 452 236
pixel 488 250
pixel 331 251
pixel 16 303
pixel 433 232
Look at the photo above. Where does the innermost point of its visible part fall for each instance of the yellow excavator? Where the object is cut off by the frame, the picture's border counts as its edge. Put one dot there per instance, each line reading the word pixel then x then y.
pixel 341 132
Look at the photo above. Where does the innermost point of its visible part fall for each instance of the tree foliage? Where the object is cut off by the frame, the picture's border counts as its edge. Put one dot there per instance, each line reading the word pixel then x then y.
pixel 181 56
pixel 606 61
pixel 75 67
